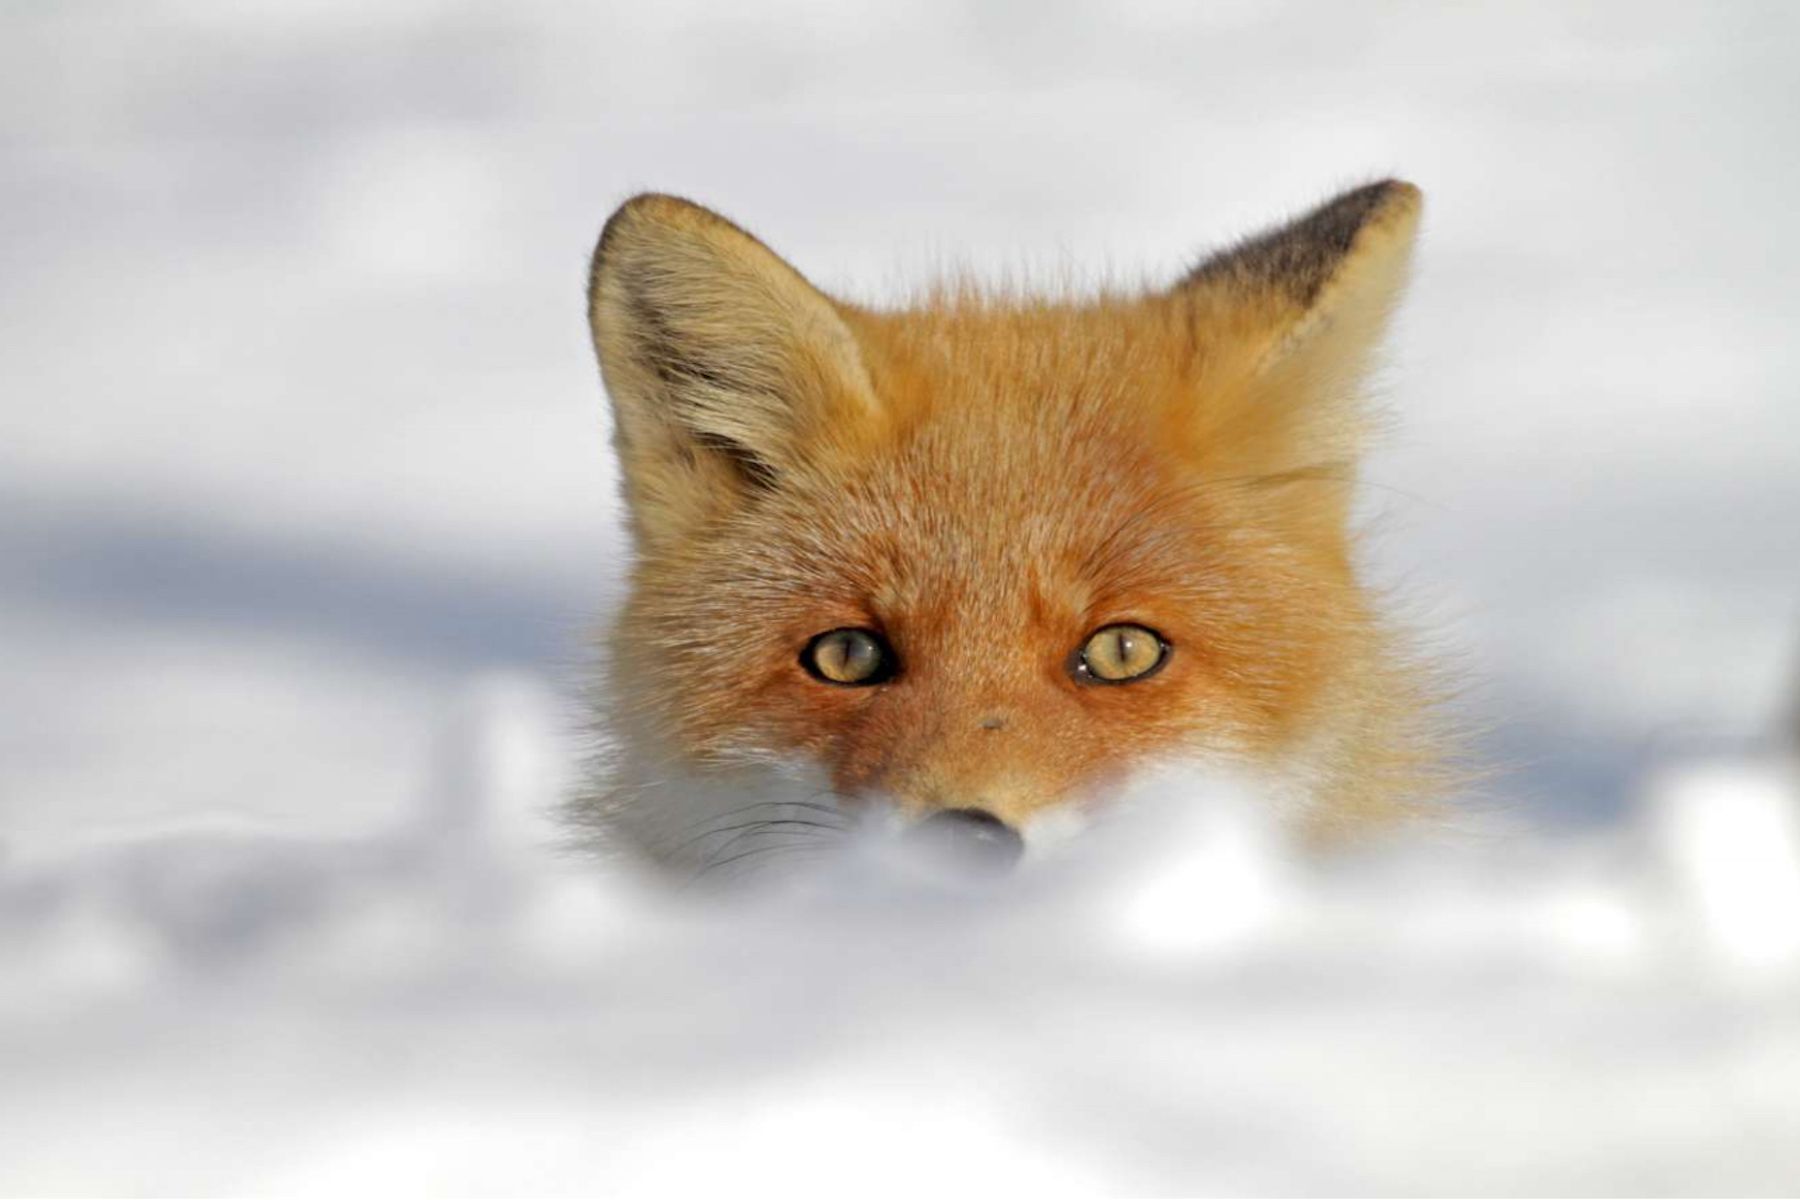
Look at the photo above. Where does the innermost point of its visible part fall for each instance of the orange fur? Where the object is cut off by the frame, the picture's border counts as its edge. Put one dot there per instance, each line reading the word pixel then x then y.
pixel 986 481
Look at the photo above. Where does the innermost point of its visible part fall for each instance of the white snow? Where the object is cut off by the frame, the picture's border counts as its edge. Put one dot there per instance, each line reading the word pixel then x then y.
pixel 307 510
pixel 1173 1004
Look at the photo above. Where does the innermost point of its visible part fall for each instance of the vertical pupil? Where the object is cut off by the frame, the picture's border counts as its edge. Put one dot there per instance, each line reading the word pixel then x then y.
pixel 1116 653
pixel 857 652
pixel 849 657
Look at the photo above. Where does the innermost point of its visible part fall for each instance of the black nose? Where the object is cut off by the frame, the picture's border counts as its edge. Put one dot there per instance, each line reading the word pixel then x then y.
pixel 972 838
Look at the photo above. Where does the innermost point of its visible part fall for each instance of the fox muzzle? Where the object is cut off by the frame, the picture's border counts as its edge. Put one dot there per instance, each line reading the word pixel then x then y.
pixel 971 839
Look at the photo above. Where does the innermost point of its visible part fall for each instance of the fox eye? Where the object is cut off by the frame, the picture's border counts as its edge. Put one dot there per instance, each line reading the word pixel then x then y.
pixel 849 657
pixel 1119 654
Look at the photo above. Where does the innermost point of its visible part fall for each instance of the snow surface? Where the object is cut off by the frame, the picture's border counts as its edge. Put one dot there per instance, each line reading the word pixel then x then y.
pixel 308 510
pixel 1179 1006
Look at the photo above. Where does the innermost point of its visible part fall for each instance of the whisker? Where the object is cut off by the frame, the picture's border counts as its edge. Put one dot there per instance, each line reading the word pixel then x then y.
pixel 742 810
pixel 753 829
pixel 765 823
pixel 753 852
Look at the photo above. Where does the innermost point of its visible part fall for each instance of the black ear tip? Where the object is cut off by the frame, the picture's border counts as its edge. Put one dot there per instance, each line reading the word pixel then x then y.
pixel 1336 222
pixel 1388 189
pixel 1300 257
pixel 1383 195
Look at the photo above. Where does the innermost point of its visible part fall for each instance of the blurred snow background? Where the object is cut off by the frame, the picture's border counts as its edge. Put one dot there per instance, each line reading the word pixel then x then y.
pixel 307 500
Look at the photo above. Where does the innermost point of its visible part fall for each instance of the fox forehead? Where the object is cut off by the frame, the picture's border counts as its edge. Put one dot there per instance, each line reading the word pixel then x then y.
pixel 1003 449
pixel 968 376
pixel 982 513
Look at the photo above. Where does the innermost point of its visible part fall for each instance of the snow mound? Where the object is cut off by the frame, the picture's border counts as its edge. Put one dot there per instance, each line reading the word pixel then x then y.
pixel 1180 1005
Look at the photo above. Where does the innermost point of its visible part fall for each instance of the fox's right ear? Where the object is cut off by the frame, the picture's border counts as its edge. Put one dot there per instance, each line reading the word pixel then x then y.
pixel 727 370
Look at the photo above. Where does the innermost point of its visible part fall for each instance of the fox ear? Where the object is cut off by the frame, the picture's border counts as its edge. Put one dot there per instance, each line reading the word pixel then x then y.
pixel 1330 276
pixel 1302 308
pixel 724 365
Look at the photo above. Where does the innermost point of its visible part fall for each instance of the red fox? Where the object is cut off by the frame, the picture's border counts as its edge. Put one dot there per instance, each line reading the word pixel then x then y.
pixel 978 560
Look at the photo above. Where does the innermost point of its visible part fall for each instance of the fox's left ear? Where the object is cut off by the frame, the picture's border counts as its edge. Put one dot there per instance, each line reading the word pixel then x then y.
pixel 1313 294
pixel 1286 324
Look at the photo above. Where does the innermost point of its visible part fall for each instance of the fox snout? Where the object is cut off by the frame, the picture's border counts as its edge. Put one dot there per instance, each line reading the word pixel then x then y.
pixel 971 840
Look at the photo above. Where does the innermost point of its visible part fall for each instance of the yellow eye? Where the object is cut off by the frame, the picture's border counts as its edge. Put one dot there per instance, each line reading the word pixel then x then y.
pixel 1119 654
pixel 851 657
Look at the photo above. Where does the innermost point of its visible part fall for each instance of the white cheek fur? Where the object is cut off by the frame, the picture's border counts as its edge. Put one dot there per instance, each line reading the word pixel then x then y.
pixel 770 813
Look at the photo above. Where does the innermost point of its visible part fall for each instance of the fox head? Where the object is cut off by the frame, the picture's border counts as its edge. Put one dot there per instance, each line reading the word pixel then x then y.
pixel 990 554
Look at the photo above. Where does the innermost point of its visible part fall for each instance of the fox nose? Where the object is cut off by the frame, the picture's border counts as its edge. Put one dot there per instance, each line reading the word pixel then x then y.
pixel 973 839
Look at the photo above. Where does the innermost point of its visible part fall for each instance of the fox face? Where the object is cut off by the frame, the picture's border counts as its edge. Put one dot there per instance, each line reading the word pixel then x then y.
pixel 988 555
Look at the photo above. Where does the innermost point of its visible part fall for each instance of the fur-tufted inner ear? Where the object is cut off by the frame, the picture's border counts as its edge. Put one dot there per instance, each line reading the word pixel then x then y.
pixel 1287 323
pixel 726 368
